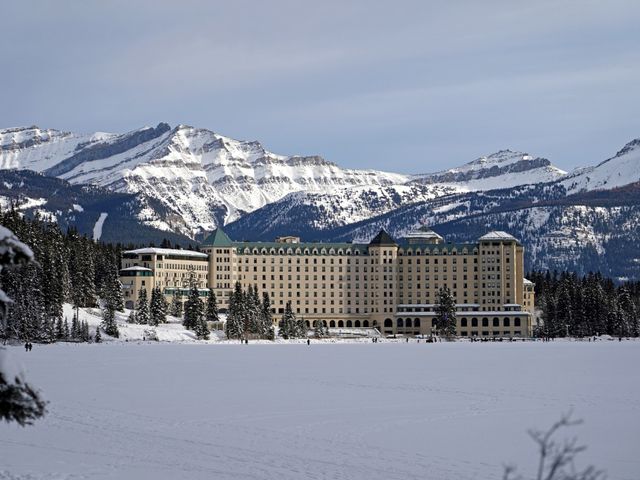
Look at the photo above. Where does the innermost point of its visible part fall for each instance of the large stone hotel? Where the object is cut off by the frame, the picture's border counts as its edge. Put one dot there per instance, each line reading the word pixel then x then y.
pixel 383 284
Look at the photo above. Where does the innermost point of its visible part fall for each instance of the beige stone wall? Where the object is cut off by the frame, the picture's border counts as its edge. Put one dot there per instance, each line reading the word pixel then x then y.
pixel 169 271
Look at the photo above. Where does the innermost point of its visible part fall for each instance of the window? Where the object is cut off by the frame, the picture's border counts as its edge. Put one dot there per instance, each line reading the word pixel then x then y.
pixel 463 322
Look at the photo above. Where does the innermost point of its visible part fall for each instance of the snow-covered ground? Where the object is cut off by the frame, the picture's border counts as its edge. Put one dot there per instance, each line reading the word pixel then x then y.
pixel 328 411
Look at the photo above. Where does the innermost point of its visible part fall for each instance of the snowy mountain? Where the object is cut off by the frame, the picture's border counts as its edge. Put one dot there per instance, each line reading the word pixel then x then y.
pixel 202 178
pixel 185 181
pixel 621 169
pixel 502 169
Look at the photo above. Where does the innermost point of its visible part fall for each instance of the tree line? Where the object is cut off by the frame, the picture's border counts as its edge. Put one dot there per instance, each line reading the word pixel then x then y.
pixel 582 306
pixel 68 268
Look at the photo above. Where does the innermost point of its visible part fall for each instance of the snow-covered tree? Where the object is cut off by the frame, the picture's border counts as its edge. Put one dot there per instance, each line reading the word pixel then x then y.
pixel 320 329
pixel 142 307
pixel 266 320
pixel 158 308
pixel 176 305
pixel 211 314
pixel 234 327
pixel 19 402
pixel 109 322
pixel 445 317
pixel 290 327
pixel 193 309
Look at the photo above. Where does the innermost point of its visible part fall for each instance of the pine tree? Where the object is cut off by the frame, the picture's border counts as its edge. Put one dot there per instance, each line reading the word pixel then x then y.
pixel 445 317
pixel 66 329
pixel 320 329
pixel 234 326
pixel 75 330
pixel 289 327
pixel 176 305
pixel 109 322
pixel 202 329
pixel 158 308
pixel 142 307
pixel 97 338
pixel 211 314
pixel 193 309
pixel 132 317
pixel 60 329
pixel 266 329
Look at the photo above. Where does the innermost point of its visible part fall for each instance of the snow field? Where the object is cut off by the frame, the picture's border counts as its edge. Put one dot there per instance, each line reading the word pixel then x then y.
pixel 328 411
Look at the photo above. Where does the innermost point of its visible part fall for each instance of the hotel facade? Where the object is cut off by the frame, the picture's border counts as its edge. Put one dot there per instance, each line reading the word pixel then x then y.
pixel 388 285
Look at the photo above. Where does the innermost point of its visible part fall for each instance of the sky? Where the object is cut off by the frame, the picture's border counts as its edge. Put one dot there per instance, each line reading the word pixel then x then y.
pixel 406 86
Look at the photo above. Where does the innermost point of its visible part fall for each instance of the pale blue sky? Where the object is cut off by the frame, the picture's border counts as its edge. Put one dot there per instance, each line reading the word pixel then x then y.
pixel 410 86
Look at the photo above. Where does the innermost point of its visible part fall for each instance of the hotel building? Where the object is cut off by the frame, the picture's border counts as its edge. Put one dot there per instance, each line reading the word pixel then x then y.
pixel 383 284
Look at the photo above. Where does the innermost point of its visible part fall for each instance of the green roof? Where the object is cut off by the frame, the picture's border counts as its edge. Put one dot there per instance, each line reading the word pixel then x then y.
pixel 218 239
pixel 362 248
pixel 383 239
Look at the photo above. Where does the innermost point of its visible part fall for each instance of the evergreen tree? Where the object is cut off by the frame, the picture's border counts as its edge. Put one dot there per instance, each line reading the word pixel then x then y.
pixel 176 305
pixel 445 317
pixel 158 308
pixel 289 327
pixel 320 329
pixel 97 338
pixel 132 317
pixel 75 327
pixel 202 329
pixel 211 314
pixel 109 321
pixel 234 326
pixel 193 309
pixel 143 314
pixel 111 286
pixel 60 329
pixel 266 320
pixel 66 329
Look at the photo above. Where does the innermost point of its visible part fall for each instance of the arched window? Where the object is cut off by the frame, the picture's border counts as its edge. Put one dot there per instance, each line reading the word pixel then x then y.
pixel 356 323
pixel 416 322
pixel 474 322
pixel 400 323
pixel 388 322
pixel 463 322
pixel 349 324
pixel 407 322
pixel 496 322
pixel 507 322
pixel 332 324
pixel 485 322
pixel 433 322
pixel 516 322
pixel 308 324
pixel 340 324
pixel 365 323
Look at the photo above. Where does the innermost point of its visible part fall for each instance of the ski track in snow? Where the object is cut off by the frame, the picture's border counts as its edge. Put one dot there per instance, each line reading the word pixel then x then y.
pixel 359 411
pixel 97 228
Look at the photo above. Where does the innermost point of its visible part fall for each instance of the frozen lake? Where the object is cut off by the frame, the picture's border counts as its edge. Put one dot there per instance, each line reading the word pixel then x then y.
pixel 331 411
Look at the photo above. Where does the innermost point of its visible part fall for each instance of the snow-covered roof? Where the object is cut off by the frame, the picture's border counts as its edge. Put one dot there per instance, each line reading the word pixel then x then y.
pixel 526 281
pixel 498 235
pixel 167 251
pixel 423 234
pixel 135 269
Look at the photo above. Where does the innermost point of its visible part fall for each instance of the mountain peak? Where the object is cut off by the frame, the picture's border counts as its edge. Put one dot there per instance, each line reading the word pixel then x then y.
pixel 629 147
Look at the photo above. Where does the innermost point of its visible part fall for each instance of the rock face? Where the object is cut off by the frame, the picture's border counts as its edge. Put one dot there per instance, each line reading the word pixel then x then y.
pixel 203 179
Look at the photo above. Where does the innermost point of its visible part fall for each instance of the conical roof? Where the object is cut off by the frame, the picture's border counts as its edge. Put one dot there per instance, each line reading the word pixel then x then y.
pixel 218 239
pixel 383 239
